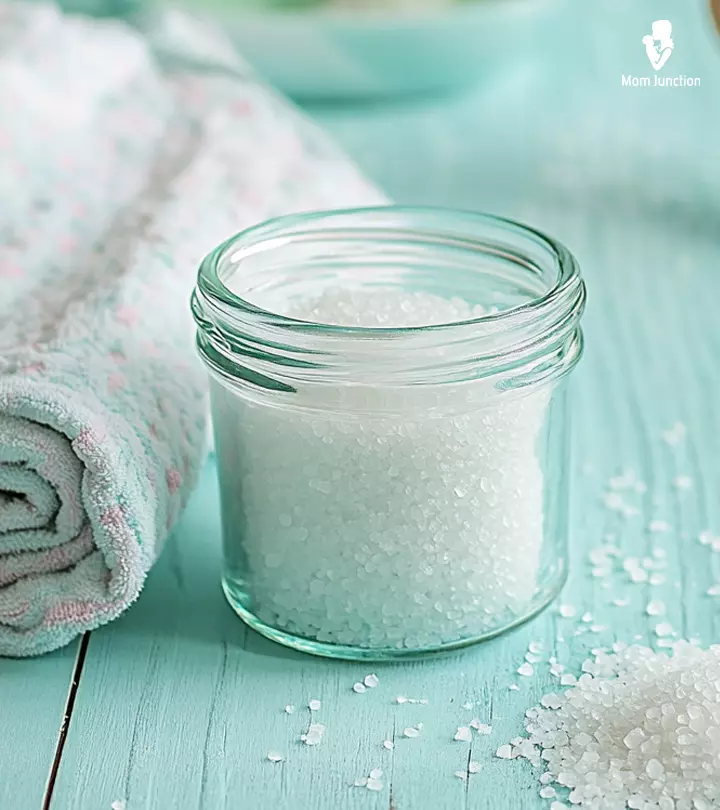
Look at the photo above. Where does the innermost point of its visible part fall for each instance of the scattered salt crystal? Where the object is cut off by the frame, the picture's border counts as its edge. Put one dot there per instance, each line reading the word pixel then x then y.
pixel 657 579
pixel 273 757
pixel 289 709
pixel 474 767
pixel 587 617
pixel 713 590
pixel 376 773
pixel 568 679
pixel 598 628
pixel 463 734
pixel 400 699
pixel 536 647
pixel 467 706
pixel 658 526
pixel 314 705
pixel 525 669
pixel 360 688
pixel 683 482
pixel 556 669
pixel 461 774
pixel 567 611
pixel 665 642
pixel 362 782
pixel 514 687
pixel 639 726
pixel 621 602
pixel 374 784
pixel 663 629
pixel 639 575
pixel 706 538
pixel 548 792
pixel 531 658
pixel 314 734
pixel 481 728
pixel 655 608
pixel 389 744
pixel 118 804
pixel 411 732
pixel 675 434
pixel 371 681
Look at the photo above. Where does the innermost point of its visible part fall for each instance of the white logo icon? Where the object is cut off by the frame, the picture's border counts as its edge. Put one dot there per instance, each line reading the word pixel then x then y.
pixel 659 45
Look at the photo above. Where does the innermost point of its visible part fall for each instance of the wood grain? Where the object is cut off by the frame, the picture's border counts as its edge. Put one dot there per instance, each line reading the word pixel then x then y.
pixel 32 700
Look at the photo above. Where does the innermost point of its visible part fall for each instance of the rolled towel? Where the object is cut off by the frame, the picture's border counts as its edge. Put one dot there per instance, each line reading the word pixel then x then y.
pixel 125 160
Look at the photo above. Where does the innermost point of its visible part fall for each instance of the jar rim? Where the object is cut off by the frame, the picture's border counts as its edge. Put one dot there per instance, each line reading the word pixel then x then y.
pixel 210 284
pixel 235 334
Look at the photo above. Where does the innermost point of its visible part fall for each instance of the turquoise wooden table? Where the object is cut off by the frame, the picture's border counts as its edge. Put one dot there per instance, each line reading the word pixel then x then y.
pixel 177 704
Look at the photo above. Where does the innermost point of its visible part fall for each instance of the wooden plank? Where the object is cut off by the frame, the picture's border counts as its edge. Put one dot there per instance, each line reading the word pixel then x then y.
pixel 33 693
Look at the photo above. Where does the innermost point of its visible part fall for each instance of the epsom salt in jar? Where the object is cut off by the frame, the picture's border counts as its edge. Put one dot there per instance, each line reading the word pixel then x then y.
pixel 389 401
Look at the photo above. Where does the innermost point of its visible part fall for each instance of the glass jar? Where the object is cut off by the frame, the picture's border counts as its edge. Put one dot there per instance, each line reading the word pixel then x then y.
pixel 389 491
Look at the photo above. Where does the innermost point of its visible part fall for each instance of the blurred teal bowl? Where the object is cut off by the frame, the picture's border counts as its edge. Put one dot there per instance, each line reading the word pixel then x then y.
pixel 330 53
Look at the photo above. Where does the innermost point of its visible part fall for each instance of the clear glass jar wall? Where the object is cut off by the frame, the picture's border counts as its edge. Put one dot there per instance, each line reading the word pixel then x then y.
pixel 390 490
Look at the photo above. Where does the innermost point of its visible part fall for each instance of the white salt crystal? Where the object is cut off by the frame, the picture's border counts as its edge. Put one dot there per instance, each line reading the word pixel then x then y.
pixel 568 679
pixel 514 687
pixel 467 706
pixel 675 434
pixel 362 782
pixel 289 709
pixel 663 629
pixel 597 628
pixel 463 734
pixel 639 727
pixel 587 617
pixel 474 767
pixel 360 688
pixel 401 699
pixel 657 579
pixel 621 602
pixel 389 744
pixel 558 806
pixel 371 681
pixel 411 732
pixel 374 784
pixel 655 608
pixel 658 526
pixel 461 774
pixel 118 804
pixel 274 757
pixel 713 590
pixel 639 575
pixel 457 479
pixel 548 792
pixel 536 647
pixel 314 705
pixel 314 734
pixel 525 669
pixel 567 611
pixel 376 773
pixel 683 482
pixel 504 752
pixel 706 538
